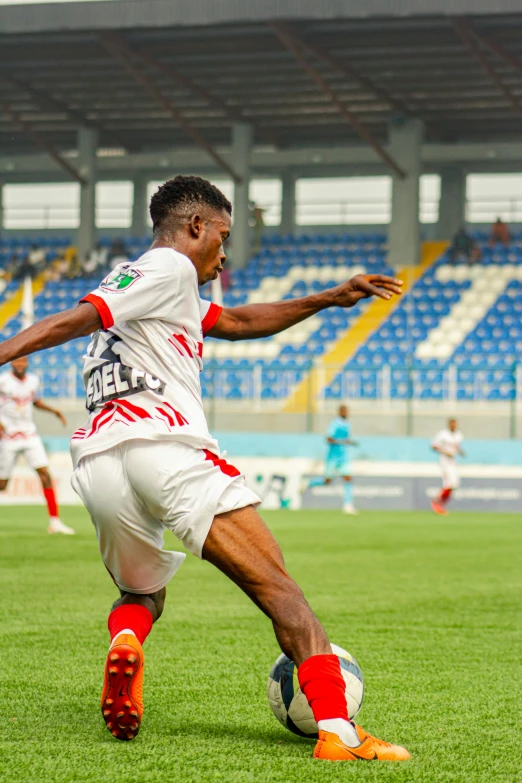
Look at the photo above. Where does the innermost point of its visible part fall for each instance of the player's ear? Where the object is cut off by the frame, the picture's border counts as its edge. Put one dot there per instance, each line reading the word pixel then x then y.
pixel 196 225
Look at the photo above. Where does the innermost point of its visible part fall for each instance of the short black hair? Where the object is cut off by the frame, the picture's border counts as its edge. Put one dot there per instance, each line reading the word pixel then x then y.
pixel 181 194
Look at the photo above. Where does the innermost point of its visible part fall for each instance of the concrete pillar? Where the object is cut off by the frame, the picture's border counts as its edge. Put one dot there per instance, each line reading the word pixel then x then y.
pixel 140 225
pixel 242 137
pixel 404 231
pixel 86 235
pixel 288 204
pixel 452 207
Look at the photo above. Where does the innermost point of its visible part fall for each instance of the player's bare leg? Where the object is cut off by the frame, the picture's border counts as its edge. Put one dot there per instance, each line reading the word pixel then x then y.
pixel 130 622
pixel 3 484
pixel 55 523
pixel 243 548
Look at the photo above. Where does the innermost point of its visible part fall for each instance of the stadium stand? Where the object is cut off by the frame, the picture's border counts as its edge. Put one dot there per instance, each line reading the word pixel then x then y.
pixel 456 333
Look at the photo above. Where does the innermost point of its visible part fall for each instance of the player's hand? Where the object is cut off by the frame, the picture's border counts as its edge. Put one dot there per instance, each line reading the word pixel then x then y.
pixel 365 286
pixel 59 415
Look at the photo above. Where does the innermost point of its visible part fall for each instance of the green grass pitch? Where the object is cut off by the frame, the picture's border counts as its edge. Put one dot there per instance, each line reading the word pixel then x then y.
pixel 430 607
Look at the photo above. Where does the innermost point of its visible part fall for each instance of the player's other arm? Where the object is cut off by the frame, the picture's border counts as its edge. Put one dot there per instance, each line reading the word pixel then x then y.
pixel 263 320
pixel 53 330
pixel 440 450
pixel 40 404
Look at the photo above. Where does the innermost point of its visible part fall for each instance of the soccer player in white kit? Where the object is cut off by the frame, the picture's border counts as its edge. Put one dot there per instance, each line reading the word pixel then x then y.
pixel 18 435
pixel 145 461
pixel 448 444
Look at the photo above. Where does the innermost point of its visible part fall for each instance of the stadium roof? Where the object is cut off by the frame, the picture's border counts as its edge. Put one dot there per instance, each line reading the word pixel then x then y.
pixel 153 75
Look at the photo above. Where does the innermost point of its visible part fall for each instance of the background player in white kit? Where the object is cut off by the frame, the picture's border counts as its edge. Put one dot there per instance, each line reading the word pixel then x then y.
pixel 18 435
pixel 448 444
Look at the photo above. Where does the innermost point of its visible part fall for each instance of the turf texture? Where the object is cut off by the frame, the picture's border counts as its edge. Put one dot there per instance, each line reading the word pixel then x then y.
pixel 429 607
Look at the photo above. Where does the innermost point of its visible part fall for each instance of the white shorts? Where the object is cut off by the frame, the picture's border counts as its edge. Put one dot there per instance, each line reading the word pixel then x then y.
pixel 450 475
pixel 140 488
pixel 32 449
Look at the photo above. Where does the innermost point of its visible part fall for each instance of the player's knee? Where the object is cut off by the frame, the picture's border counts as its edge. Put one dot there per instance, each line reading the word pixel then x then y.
pixel 159 601
pixel 3 484
pixel 45 478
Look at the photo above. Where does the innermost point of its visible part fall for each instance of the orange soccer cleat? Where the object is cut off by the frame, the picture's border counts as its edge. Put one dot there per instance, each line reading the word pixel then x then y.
pixel 122 696
pixel 438 508
pixel 330 747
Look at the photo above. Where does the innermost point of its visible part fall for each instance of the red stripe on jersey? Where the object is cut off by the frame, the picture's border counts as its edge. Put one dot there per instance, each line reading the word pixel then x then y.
pixel 175 346
pixel 167 416
pixel 126 415
pixel 184 344
pixel 211 318
pixel 111 415
pixel 179 416
pixel 141 413
pixel 97 419
pixel 223 465
pixel 102 308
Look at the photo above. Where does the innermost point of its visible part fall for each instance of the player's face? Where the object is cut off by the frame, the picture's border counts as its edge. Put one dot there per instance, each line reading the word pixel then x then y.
pixel 19 366
pixel 211 252
pixel 343 412
pixel 453 425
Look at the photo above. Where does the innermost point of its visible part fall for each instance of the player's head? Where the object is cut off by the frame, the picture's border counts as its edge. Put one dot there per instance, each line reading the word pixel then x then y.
pixel 452 425
pixel 193 216
pixel 19 366
pixel 344 411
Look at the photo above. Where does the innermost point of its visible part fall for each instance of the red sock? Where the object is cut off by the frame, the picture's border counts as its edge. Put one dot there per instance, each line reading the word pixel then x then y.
pixel 323 685
pixel 135 617
pixel 52 505
pixel 444 496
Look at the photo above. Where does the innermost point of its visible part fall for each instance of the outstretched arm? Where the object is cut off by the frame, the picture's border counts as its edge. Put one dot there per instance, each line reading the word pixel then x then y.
pixel 262 320
pixel 41 405
pixel 51 331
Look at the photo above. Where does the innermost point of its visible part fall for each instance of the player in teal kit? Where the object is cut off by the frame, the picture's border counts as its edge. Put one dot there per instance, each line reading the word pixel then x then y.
pixel 338 456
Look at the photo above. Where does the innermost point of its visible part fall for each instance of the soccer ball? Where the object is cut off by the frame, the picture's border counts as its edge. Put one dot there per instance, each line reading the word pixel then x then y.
pixel 289 704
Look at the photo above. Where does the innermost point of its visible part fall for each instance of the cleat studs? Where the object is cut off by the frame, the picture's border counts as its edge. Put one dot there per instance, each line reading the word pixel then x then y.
pixel 133 714
pixel 120 715
pixel 115 733
pixel 114 657
pixel 110 725
pixel 131 659
pixel 130 736
pixel 134 726
pixel 129 672
pixel 106 712
pixel 113 670
pixel 108 702
pixel 128 704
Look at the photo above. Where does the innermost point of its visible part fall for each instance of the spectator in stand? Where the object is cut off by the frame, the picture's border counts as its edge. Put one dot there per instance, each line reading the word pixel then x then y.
pixel 36 258
pixel 499 233
pixel 258 224
pixel 118 253
pixel 95 261
pixel 464 247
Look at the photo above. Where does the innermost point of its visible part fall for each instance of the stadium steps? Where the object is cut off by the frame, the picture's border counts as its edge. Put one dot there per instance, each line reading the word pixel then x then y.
pixel 12 306
pixel 305 394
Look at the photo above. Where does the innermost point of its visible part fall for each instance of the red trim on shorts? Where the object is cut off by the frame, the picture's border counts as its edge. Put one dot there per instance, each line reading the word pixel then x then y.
pixel 211 318
pixel 102 308
pixel 223 465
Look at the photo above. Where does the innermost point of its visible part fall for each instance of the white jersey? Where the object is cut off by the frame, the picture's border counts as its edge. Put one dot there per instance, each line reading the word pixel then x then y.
pixel 16 405
pixel 450 442
pixel 142 369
